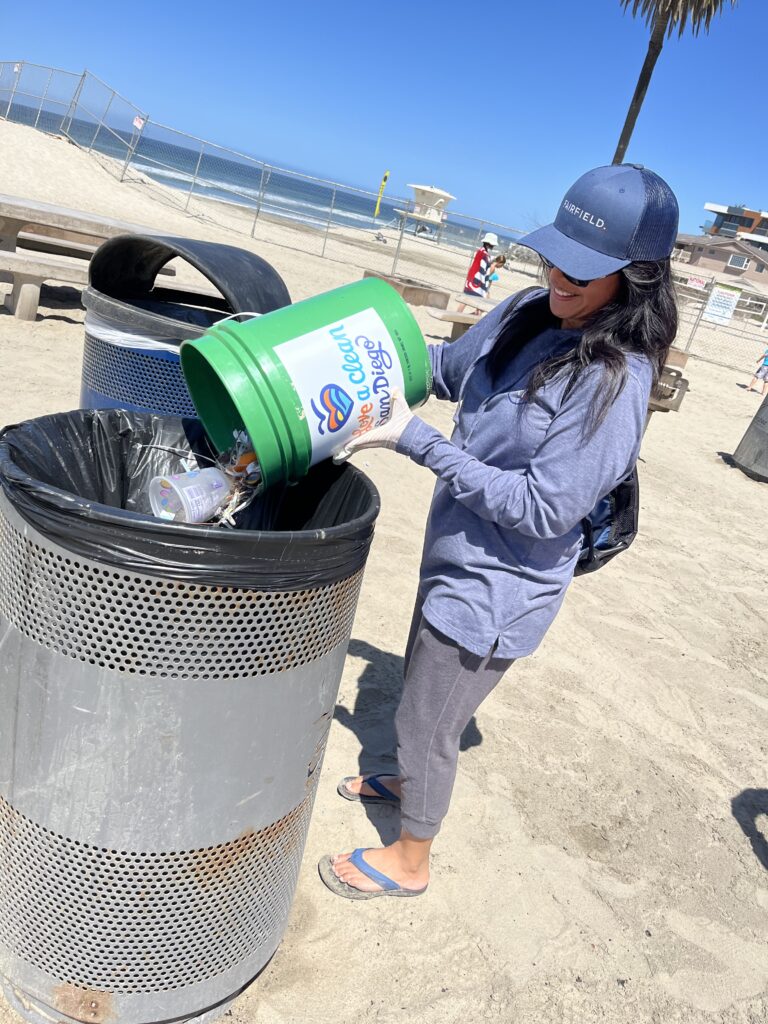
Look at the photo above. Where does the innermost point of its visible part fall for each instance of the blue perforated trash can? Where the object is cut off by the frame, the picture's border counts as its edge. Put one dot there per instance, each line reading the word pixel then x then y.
pixel 133 327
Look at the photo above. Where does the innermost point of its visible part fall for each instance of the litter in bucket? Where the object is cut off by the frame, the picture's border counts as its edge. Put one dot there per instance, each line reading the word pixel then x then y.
pixel 304 380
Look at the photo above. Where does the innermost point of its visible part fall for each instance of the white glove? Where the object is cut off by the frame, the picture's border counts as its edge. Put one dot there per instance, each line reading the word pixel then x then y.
pixel 385 436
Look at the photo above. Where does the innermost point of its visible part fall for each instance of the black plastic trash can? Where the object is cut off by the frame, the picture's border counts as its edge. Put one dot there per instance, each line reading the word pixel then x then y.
pixel 751 456
pixel 166 691
pixel 134 325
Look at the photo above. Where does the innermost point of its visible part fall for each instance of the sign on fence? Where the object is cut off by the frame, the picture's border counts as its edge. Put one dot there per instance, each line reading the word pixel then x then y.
pixel 721 304
pixel 698 282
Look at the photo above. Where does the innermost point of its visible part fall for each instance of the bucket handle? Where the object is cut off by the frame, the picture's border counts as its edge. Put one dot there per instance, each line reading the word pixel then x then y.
pixel 231 316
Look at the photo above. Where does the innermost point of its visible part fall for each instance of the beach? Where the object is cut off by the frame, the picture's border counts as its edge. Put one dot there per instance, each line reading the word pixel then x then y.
pixel 606 854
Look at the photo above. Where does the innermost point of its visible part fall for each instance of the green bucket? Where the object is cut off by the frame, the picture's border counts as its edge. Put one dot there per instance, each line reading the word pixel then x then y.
pixel 304 379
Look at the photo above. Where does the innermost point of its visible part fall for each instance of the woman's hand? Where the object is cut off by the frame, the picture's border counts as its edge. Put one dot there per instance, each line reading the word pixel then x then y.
pixel 385 436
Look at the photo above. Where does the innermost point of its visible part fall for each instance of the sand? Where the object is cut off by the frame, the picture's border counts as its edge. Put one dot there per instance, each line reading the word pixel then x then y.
pixel 605 858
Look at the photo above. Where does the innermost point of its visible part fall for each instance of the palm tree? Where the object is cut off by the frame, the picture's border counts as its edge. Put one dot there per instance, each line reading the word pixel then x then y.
pixel 662 17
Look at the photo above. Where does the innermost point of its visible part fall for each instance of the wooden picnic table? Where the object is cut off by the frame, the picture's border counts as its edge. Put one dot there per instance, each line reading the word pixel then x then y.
pixel 461 321
pixel 476 302
pixel 17 214
pixel 42 242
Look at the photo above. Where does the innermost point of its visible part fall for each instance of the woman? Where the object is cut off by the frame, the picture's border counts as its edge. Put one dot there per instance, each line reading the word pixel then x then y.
pixel 552 405
pixel 477 275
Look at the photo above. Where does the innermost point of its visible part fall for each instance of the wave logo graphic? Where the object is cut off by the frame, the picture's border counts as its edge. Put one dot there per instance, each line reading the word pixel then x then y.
pixel 335 408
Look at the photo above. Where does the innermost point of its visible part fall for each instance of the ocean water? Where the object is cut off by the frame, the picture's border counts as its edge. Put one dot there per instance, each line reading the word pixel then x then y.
pixel 245 183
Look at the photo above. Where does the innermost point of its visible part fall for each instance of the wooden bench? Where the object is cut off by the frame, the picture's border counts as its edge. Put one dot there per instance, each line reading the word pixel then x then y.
pixel 54 246
pixel 477 303
pixel 29 271
pixel 460 322
pixel 39 233
pixel 19 215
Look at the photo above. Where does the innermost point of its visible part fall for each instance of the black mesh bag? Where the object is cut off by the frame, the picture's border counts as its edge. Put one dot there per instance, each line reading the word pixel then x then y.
pixel 611 526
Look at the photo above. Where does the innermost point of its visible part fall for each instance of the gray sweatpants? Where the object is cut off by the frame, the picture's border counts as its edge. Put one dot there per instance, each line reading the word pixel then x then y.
pixel 444 686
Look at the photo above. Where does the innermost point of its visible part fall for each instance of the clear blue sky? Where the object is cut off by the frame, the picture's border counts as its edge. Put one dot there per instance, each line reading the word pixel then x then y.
pixel 503 105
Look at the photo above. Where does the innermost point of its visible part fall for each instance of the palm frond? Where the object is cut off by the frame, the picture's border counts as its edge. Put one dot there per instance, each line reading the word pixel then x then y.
pixel 678 13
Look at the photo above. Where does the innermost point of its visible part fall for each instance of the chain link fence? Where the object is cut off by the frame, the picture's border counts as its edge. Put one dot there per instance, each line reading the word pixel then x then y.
pixel 719 324
pixel 35 95
pixel 236 191
pixel 315 215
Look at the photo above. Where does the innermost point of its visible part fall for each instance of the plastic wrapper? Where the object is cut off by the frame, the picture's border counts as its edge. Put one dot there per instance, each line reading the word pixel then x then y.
pixel 82 480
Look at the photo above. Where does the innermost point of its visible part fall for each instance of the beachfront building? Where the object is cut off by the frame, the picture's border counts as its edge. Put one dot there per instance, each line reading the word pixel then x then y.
pixel 721 265
pixel 739 222
pixel 724 257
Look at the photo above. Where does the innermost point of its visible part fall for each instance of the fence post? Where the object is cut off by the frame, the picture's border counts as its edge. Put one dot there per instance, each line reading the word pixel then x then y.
pixel 330 216
pixel 42 98
pixel 101 122
pixel 403 218
pixel 194 176
pixel 700 314
pixel 73 106
pixel 133 145
pixel 20 66
pixel 262 186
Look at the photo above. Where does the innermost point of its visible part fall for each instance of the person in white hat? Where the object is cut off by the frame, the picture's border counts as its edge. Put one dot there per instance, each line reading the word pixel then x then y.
pixel 477 275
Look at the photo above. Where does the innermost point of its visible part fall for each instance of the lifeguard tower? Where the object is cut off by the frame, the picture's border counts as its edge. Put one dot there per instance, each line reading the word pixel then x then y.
pixel 428 206
pixel 428 211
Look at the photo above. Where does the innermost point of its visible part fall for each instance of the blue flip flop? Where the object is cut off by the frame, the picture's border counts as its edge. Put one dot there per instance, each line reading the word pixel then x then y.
pixel 384 795
pixel 349 892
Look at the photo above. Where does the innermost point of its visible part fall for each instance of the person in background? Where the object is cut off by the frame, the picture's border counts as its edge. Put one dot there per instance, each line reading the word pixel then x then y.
pixel 760 374
pixel 552 402
pixel 479 269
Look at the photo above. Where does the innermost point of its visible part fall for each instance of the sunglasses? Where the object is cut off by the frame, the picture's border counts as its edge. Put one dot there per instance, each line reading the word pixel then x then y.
pixel 574 280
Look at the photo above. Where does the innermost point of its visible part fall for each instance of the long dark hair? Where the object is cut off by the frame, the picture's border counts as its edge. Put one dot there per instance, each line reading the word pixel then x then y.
pixel 642 319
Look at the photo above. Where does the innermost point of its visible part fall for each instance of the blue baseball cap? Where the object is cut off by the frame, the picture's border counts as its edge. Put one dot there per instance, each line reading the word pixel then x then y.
pixel 611 217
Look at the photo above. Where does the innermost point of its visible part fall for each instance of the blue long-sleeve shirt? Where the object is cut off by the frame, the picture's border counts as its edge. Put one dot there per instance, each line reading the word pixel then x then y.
pixel 514 482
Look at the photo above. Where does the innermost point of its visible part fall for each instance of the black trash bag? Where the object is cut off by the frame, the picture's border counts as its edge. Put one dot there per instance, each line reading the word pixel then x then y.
pixel 81 479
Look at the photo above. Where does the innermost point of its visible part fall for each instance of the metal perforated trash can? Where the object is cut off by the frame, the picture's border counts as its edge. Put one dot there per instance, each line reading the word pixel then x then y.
pixel 751 456
pixel 165 696
pixel 134 325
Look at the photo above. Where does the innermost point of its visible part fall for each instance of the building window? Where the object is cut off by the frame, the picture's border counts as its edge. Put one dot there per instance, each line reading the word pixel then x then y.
pixel 711 252
pixel 699 248
pixel 739 262
pixel 759 268
pixel 733 218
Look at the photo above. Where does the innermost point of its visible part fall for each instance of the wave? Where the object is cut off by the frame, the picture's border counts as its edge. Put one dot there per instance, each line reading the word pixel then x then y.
pixel 272 200
pixel 289 206
pixel 161 172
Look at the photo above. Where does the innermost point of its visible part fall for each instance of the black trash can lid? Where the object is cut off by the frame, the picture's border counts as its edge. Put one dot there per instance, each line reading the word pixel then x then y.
pixel 125 267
